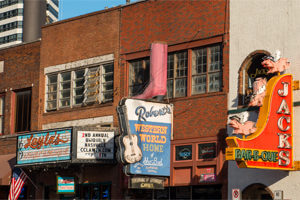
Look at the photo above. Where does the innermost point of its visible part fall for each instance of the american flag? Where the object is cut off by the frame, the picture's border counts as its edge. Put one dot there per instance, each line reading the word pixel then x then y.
pixel 18 179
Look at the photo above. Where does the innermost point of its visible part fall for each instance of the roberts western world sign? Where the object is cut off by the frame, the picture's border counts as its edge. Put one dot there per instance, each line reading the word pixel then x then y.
pixel 147 142
pixel 46 146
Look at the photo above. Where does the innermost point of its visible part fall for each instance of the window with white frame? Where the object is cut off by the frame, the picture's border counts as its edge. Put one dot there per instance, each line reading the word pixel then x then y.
pixel 1 114
pixel 177 74
pixel 206 70
pixel 80 87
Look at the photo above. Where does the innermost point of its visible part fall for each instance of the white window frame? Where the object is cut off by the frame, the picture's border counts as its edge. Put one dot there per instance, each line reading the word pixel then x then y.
pixel 82 65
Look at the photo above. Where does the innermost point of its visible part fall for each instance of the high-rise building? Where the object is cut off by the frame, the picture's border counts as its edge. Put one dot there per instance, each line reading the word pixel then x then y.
pixel 21 20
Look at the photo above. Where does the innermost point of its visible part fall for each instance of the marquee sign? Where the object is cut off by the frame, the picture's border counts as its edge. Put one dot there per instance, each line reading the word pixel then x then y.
pixel 45 146
pixel 271 145
pixel 95 145
pixel 144 146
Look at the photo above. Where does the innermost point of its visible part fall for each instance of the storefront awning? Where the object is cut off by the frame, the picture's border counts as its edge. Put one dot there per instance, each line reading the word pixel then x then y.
pixel 6 162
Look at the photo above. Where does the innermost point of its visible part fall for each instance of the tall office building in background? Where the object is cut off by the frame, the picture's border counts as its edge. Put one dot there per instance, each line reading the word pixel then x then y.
pixel 21 20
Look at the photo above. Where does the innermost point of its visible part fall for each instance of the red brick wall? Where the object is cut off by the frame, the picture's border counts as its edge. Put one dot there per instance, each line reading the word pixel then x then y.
pixel 75 39
pixel 21 67
pixel 170 21
pixel 178 23
pixel 21 70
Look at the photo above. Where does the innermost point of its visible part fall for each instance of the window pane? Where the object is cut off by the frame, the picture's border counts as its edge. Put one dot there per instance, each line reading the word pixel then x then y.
pixel 139 76
pixel 199 61
pixel 78 87
pixel 170 66
pixel 108 77
pixel 170 88
pixel 23 111
pixel 199 84
pixel 91 85
pixel 78 91
pixel 64 103
pixel 52 79
pixel 66 76
pixel 51 105
pixel 51 96
pixel 206 151
pixel 65 92
pixel 52 88
pixel 183 152
pixel 177 74
pixel 180 87
pixel 108 68
pixel 65 85
pixel 215 57
pixel 215 82
pixel 181 67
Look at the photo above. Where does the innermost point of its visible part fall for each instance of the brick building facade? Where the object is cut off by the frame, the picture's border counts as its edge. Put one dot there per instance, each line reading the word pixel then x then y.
pixel 19 82
pixel 117 41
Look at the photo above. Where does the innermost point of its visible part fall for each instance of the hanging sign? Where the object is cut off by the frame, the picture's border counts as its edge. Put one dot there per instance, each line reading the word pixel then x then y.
pixel 271 145
pixel 144 145
pixel 65 184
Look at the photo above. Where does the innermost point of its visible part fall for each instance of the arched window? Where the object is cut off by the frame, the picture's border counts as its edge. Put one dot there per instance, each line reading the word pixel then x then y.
pixel 250 70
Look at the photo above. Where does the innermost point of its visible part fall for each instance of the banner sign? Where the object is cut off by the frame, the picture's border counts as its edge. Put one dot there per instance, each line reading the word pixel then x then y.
pixel 45 146
pixel 65 185
pixel 146 137
pixel 146 183
pixel 271 145
pixel 95 144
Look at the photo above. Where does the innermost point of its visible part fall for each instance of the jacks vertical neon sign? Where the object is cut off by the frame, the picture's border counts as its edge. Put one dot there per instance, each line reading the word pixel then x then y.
pixel 271 145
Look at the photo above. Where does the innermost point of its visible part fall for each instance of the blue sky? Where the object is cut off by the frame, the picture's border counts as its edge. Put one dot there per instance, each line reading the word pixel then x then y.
pixel 73 8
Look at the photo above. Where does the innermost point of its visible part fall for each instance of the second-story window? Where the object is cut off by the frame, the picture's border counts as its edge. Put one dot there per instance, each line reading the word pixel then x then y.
pixel 82 86
pixel 206 70
pixel 1 114
pixel 194 73
pixel 139 73
pixel 23 110
pixel 177 74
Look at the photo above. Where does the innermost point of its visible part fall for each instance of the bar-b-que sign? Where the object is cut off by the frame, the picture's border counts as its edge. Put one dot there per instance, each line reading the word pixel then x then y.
pixel 271 145
pixel 45 146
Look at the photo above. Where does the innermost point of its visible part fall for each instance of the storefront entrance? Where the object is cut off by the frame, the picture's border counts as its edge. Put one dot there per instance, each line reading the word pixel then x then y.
pixel 87 191
pixel 257 192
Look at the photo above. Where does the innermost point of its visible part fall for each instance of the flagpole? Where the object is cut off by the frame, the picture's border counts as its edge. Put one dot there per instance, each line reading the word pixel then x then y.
pixel 29 179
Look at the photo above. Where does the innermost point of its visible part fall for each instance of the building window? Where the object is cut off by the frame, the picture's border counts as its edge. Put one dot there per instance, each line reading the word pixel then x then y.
pixel 139 73
pixel 177 74
pixel 183 152
pixel 82 86
pixel 11 13
pixel 1 114
pixel 52 10
pixel 5 3
pixel 23 111
pixel 206 70
pixel 207 151
pixel 251 69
